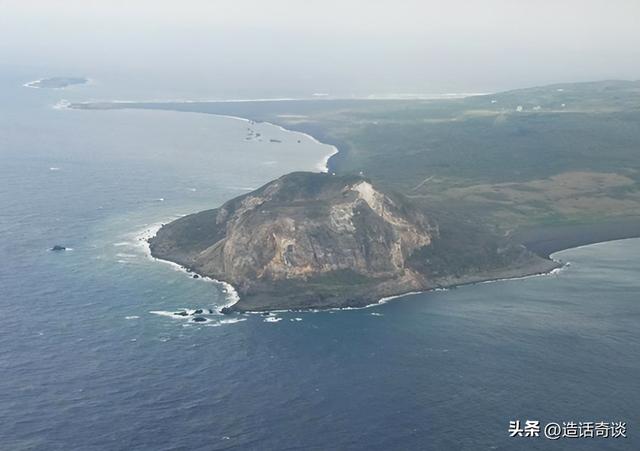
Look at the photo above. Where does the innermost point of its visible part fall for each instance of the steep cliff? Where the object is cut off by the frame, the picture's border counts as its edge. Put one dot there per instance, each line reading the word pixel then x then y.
pixel 311 240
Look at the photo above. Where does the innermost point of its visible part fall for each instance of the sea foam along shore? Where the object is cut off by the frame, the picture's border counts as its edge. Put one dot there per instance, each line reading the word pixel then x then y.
pixel 232 295
pixel 322 166
pixel 554 271
pixel 388 299
pixel 142 238
pixel 34 84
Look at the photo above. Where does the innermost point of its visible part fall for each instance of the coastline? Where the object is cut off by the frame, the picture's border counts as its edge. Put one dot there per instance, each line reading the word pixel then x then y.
pixel 545 240
pixel 33 84
pixel 142 238
pixel 541 240
pixel 552 267
pixel 555 267
pixel 322 166
pixel 554 271
pixel 145 235
pixel 315 98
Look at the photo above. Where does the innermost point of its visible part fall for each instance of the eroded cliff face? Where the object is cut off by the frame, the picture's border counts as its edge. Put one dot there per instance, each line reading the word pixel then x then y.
pixel 355 227
pixel 309 240
pixel 306 226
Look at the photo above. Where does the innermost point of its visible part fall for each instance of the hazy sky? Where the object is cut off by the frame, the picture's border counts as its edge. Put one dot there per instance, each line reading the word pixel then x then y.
pixel 240 48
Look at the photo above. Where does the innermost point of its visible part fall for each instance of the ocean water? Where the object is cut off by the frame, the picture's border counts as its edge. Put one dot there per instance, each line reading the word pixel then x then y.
pixel 91 357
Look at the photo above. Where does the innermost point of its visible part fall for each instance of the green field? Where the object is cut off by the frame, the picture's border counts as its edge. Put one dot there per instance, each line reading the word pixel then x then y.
pixel 558 154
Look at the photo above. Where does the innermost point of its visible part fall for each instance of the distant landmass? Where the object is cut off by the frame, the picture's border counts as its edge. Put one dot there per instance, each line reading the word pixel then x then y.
pixel 550 168
pixel 56 82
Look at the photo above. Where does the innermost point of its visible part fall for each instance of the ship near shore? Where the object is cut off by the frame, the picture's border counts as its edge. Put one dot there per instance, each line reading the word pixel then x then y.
pixel 483 182
pixel 552 167
pixel 309 241
pixel 91 339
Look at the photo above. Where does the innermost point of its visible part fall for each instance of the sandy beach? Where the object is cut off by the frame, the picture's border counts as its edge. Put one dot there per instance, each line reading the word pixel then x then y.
pixel 545 240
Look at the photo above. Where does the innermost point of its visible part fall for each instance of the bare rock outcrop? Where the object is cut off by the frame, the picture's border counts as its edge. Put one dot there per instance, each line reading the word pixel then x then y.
pixel 308 240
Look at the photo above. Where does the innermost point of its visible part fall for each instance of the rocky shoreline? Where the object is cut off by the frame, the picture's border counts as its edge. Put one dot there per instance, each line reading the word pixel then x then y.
pixel 317 241
pixel 542 269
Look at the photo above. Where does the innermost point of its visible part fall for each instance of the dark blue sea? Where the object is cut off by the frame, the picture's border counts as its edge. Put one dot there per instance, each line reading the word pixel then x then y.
pixel 92 359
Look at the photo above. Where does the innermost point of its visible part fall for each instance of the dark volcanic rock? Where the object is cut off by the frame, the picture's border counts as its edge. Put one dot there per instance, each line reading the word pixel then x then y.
pixel 199 319
pixel 310 240
pixel 57 247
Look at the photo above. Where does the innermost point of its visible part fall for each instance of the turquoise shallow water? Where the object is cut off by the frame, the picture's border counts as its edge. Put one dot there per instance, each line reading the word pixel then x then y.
pixel 87 366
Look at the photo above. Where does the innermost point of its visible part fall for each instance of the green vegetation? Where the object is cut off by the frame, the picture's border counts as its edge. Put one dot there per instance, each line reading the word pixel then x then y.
pixel 556 154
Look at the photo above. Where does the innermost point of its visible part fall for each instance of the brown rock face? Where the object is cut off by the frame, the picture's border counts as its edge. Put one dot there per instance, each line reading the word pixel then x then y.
pixel 301 231
pixel 311 240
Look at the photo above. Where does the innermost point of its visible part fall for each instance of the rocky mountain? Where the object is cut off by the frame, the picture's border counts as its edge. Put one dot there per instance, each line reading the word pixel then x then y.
pixel 309 240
